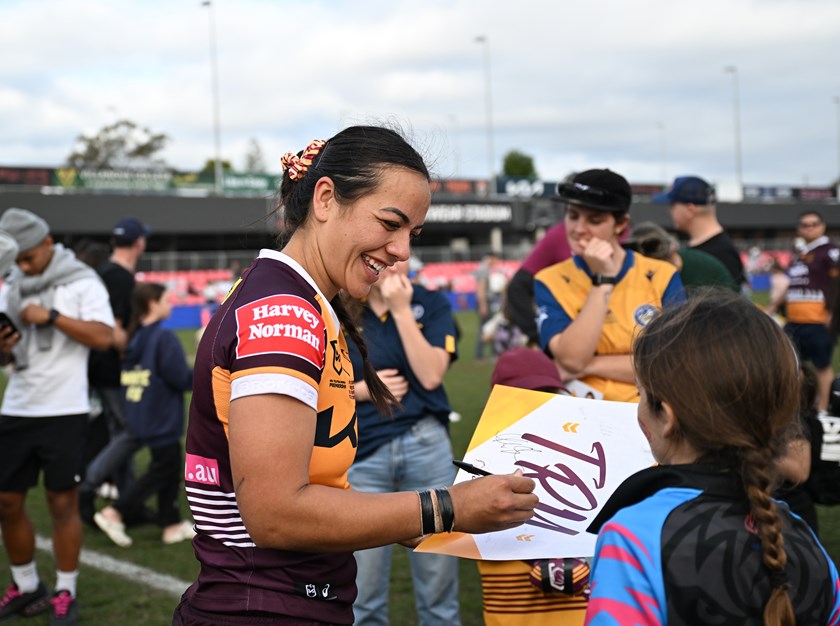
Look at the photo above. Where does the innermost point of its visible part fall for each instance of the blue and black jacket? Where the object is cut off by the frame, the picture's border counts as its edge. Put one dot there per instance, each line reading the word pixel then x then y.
pixel 676 545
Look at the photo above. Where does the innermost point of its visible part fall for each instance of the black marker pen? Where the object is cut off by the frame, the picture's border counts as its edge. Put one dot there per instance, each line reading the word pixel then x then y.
pixel 472 469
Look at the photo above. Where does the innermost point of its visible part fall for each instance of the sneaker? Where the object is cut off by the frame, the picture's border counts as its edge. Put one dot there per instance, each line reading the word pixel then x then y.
pixel 183 532
pixel 65 611
pixel 15 603
pixel 114 530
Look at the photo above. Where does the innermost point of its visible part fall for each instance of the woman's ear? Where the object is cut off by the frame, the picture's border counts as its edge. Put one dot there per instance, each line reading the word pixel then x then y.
pixel 323 198
pixel 670 426
pixel 621 224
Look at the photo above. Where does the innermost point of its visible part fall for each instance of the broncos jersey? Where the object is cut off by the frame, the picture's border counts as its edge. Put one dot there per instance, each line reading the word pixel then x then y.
pixel 274 333
pixel 644 285
pixel 812 274
pixel 677 546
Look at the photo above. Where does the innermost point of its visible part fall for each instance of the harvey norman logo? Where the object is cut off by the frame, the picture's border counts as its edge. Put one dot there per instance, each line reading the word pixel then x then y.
pixel 281 324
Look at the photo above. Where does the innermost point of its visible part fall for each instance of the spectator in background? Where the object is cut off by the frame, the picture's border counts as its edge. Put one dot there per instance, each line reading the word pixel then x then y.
pixel 551 249
pixel 539 592
pixel 128 239
pixel 779 282
pixel 813 275
pixel 410 334
pixel 591 305
pixel 8 253
pixel 694 212
pixel 155 377
pixel 696 268
pixel 800 453
pixel 60 309
pixel 490 282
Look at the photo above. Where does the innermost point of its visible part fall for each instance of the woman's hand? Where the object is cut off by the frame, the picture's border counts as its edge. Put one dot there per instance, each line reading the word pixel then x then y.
pixel 601 257
pixel 394 381
pixel 493 503
pixel 8 339
pixel 396 290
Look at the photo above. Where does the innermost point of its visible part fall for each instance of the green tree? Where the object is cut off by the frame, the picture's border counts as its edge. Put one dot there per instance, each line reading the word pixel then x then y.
pixel 519 164
pixel 121 145
pixel 254 160
pixel 210 167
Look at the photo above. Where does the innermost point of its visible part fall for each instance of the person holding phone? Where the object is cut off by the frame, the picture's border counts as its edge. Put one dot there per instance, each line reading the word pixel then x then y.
pixel 60 309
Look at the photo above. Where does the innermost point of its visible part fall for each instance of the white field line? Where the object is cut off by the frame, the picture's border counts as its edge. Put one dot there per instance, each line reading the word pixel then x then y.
pixel 130 571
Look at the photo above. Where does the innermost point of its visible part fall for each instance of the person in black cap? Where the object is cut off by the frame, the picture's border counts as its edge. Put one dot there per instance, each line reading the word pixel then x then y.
pixel 590 306
pixel 128 239
pixel 693 211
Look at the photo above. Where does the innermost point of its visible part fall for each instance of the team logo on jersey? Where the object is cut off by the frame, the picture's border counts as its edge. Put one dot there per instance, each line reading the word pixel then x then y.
pixel 281 324
pixel 417 311
pixel 336 360
pixel 644 314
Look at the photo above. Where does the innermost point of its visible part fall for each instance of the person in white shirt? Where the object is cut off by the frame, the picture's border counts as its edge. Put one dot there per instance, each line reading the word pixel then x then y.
pixel 59 309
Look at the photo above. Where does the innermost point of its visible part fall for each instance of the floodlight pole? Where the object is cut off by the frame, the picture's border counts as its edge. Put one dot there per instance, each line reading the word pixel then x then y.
pixel 731 69
pixel 488 104
pixel 214 71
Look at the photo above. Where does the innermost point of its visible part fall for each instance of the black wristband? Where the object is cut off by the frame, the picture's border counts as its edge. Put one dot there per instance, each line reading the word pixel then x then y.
pixel 447 511
pixel 600 279
pixel 427 513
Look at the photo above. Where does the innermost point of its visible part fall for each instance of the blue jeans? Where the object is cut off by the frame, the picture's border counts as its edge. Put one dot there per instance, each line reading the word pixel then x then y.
pixel 419 459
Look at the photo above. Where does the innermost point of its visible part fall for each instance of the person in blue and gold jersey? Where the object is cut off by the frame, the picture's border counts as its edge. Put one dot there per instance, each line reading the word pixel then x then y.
pixel 272 426
pixel 590 306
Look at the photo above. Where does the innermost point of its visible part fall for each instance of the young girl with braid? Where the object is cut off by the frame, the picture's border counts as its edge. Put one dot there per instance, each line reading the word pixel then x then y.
pixel 272 427
pixel 698 539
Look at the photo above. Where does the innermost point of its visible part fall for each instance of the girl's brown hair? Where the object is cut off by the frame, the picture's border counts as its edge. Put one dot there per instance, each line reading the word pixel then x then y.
pixel 732 378
pixel 142 296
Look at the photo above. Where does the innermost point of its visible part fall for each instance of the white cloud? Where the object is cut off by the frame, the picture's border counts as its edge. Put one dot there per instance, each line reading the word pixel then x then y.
pixel 600 83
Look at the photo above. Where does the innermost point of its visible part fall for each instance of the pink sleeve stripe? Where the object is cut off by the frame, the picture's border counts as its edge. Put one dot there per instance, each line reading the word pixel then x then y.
pixel 623 613
pixel 834 620
pixel 629 536
pixel 618 553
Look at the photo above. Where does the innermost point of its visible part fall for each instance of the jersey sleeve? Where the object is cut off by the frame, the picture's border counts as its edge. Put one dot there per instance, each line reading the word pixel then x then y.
pixel 438 324
pixel 278 346
pixel 551 317
pixel 674 291
pixel 623 588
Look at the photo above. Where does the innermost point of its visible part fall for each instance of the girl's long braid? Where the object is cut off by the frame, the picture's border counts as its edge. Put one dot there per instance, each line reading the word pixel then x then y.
pixel 755 471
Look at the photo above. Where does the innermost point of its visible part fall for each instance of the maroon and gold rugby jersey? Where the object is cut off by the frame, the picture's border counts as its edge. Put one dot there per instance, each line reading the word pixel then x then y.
pixel 811 275
pixel 274 333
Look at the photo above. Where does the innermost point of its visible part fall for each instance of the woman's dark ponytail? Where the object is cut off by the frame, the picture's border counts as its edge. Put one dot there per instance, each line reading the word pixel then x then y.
pixel 380 395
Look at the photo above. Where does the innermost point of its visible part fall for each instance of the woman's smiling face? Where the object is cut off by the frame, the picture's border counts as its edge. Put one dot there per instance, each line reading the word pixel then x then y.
pixel 365 237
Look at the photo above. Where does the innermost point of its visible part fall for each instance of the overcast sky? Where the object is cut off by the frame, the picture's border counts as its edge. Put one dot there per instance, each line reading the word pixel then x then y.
pixel 637 86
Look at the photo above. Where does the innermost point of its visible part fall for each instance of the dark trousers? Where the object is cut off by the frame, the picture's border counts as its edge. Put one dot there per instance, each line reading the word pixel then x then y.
pixel 164 478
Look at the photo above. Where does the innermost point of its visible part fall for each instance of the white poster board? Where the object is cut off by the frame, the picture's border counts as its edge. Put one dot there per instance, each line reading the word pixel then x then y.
pixel 577 450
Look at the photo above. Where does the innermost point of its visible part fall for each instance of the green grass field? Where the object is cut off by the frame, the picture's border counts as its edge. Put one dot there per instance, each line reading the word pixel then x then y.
pixel 107 598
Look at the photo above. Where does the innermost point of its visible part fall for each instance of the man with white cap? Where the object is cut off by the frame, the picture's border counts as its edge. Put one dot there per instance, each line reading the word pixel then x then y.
pixel 59 308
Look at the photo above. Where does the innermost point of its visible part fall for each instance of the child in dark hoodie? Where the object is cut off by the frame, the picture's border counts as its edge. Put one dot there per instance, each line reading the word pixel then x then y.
pixel 155 376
